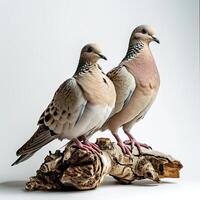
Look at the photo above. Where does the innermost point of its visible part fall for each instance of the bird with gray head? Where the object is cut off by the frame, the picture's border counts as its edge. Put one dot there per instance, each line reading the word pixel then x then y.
pixel 79 107
pixel 136 81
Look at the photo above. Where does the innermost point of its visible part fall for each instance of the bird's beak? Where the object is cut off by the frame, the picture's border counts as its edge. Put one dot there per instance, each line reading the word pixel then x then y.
pixel 155 39
pixel 101 56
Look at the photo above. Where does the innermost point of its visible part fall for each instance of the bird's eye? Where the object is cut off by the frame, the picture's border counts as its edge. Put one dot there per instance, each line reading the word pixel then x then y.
pixel 144 31
pixel 89 49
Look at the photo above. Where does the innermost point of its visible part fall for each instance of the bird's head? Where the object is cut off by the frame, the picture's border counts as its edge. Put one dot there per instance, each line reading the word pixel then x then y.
pixel 91 53
pixel 144 33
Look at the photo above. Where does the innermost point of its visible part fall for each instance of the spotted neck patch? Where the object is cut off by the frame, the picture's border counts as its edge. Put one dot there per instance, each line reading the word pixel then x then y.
pixel 133 50
pixel 82 69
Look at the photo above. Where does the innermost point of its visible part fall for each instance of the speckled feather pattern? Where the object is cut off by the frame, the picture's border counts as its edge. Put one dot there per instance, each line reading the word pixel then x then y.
pixel 88 91
pixel 80 106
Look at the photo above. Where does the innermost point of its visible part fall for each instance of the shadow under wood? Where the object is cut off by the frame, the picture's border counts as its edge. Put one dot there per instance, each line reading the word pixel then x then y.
pixel 12 186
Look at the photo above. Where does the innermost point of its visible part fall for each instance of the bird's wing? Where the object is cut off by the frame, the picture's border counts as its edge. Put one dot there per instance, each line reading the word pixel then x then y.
pixel 66 108
pixel 41 137
pixel 124 84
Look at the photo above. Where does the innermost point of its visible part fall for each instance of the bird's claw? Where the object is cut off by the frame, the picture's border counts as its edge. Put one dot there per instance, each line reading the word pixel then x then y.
pixel 94 148
pixel 133 142
pixel 125 148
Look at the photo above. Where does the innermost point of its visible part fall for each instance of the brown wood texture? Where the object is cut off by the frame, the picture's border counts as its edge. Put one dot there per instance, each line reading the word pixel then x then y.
pixel 82 170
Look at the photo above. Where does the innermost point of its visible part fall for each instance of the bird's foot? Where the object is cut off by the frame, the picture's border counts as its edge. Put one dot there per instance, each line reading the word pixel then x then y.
pixel 87 146
pixel 125 148
pixel 94 146
pixel 133 142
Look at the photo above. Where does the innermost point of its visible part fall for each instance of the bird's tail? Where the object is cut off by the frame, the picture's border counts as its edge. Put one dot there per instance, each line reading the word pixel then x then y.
pixel 40 138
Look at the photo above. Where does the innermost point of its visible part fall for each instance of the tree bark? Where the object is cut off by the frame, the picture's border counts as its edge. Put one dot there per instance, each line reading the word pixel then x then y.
pixel 85 170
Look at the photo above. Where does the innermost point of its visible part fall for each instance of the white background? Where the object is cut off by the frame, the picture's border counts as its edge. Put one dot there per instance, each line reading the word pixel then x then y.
pixel 40 42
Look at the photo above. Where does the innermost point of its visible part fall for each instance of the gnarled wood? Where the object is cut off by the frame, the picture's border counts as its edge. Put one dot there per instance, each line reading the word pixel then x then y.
pixel 84 170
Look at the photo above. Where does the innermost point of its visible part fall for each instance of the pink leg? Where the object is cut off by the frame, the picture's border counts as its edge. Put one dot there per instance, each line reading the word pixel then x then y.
pixel 133 141
pixel 125 148
pixel 86 145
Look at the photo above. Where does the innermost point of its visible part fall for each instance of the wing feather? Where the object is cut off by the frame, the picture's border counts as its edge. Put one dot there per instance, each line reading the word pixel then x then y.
pixel 66 108
pixel 124 84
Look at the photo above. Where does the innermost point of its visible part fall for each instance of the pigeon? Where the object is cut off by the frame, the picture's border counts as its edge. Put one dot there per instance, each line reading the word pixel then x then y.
pixel 80 106
pixel 136 80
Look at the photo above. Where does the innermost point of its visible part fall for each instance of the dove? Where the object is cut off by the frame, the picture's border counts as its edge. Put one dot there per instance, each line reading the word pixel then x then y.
pixel 136 80
pixel 80 106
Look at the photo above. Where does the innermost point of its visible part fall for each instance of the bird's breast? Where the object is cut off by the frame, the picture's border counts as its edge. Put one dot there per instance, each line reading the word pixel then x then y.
pixel 147 81
pixel 145 72
pixel 98 88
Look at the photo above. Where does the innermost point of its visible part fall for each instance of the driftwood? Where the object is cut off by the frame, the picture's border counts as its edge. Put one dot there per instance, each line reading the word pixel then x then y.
pixel 85 170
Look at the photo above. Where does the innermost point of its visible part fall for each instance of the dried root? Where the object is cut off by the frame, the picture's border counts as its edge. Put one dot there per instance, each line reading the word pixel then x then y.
pixel 84 170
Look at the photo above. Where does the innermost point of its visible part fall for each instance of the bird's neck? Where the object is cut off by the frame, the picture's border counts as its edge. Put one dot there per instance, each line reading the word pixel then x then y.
pixel 142 64
pixel 134 49
pixel 83 67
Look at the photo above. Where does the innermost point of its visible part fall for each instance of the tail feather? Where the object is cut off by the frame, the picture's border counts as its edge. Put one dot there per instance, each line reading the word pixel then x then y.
pixel 40 138
pixel 22 158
